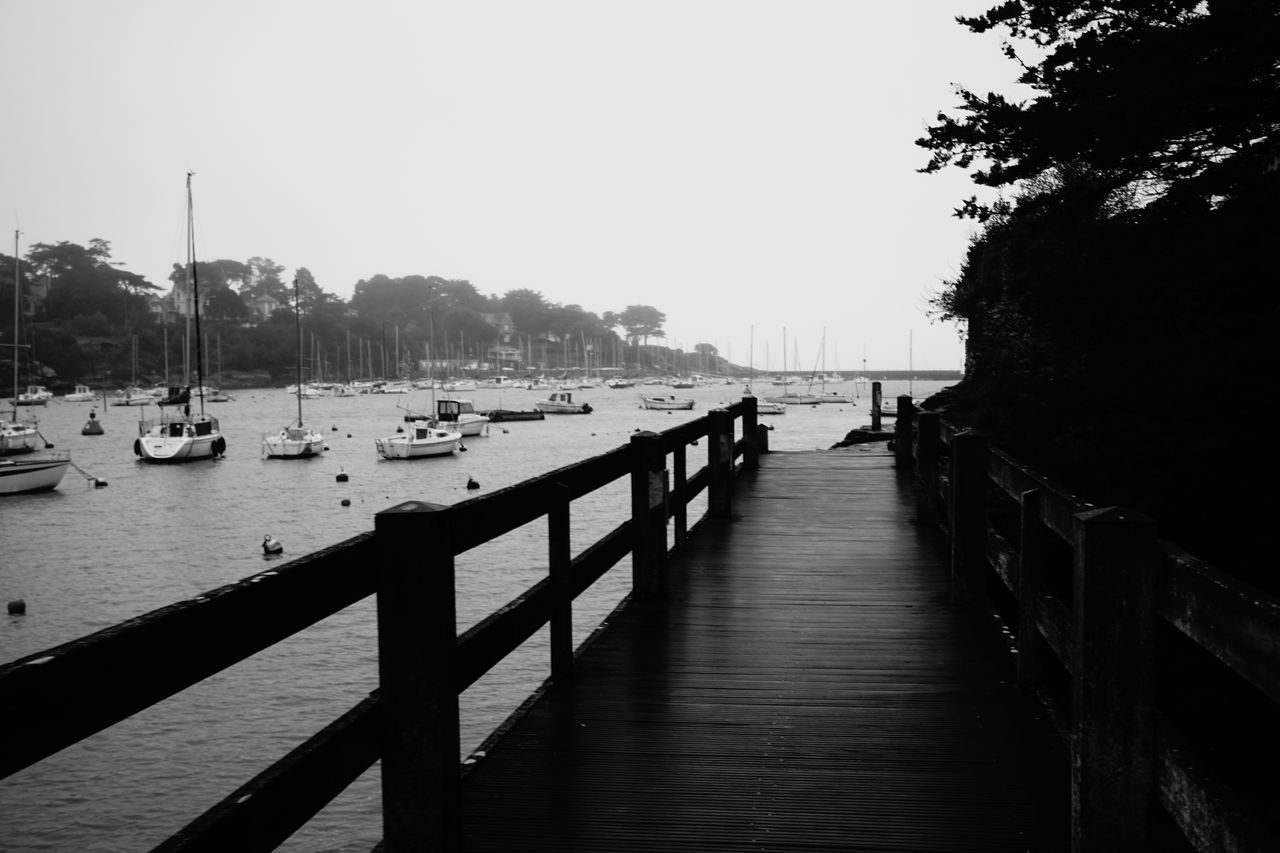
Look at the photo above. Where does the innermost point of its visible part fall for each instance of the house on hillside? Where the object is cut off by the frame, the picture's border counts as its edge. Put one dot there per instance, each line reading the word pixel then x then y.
pixel 264 306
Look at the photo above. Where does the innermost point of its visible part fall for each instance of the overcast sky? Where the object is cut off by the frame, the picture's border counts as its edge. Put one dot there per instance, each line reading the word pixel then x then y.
pixel 734 164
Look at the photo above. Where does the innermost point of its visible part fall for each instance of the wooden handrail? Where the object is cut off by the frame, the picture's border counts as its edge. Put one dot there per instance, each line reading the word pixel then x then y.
pixel 140 662
pixel 1126 752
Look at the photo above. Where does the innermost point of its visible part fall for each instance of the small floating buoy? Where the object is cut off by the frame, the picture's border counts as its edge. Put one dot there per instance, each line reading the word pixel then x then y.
pixel 271 545
pixel 348 435
pixel 17 607
pixel 346 501
pixel 334 427
pixel 99 484
pixel 462 447
pixel 399 429
pixel 342 475
pixel 471 483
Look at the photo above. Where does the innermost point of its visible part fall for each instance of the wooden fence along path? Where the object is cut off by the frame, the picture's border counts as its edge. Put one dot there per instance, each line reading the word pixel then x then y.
pixel 805 684
pixel 818 663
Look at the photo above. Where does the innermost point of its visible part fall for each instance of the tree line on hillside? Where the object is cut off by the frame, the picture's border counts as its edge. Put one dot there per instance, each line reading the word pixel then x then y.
pixel 83 317
pixel 1119 298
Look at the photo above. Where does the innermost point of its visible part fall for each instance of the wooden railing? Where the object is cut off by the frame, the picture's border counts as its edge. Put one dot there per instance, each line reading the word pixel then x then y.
pixel 1114 630
pixel 411 721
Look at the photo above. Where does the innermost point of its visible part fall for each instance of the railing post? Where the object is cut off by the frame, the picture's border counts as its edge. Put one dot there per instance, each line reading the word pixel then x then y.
pixel 902 433
pixel 1030 558
pixel 1112 764
pixel 559 560
pixel 750 435
pixel 648 515
pixel 875 406
pixel 417 646
pixel 720 463
pixel 968 516
pixel 927 424
pixel 679 512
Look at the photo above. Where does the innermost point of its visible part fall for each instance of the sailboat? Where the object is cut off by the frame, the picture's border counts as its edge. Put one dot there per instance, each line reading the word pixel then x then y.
pixel 19 476
pixel 184 436
pixel 788 396
pixel 763 407
pixel 295 441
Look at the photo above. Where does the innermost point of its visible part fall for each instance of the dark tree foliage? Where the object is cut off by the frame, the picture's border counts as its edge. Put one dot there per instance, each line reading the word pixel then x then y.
pixel 1129 268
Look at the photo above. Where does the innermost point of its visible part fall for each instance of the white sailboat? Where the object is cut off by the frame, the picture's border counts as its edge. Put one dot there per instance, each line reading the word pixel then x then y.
pixel 788 397
pixel 184 436
pixel 295 441
pixel 19 476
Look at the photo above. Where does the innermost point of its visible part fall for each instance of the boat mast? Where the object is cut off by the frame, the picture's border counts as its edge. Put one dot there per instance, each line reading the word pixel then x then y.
pixel 16 307
pixel 195 290
pixel 297 320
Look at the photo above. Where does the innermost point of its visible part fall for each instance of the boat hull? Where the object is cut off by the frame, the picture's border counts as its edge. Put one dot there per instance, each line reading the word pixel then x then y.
pixel 23 476
pixel 419 442
pixel 179 440
pixel 666 405
pixel 292 443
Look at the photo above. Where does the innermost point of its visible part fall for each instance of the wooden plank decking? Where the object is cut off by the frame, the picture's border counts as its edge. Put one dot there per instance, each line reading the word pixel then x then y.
pixel 807 685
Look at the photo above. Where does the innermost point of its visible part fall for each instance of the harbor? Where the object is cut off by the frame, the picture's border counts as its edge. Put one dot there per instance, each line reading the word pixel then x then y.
pixel 161 534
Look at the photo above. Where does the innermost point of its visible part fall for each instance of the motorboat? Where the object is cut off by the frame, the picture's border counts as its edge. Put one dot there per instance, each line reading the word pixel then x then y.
pixel 768 407
pixel 462 416
pixel 20 476
pixel 132 396
pixel 35 395
pixel 669 402
pixel 82 394
pixel 562 403
pixel 420 440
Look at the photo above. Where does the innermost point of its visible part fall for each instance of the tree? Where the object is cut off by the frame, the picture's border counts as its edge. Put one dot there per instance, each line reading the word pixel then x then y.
pixel 528 309
pixel 642 322
pixel 84 281
pixel 1158 96
pixel 263 277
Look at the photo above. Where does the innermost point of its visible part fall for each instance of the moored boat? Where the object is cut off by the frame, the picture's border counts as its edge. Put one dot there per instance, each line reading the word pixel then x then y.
pixel 35 395
pixel 82 394
pixel 295 441
pixel 462 416
pixel 183 436
pixel 562 403
pixel 669 402
pixel 502 415
pixel 420 440
pixel 22 476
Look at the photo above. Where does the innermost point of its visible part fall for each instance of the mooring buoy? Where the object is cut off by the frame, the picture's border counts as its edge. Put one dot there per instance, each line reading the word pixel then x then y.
pixel 271 545
pixel 346 501
pixel 471 483
pixel 342 475
pixel 17 607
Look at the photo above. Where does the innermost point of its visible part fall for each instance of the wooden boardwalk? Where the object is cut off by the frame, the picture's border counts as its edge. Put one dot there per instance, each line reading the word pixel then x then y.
pixel 807 685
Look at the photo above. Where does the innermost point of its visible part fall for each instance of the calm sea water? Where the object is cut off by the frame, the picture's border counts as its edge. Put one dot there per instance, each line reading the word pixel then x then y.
pixel 85 558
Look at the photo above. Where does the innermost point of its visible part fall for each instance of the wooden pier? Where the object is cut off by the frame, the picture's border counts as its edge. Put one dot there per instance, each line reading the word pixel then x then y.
pixel 929 648
pixel 806 683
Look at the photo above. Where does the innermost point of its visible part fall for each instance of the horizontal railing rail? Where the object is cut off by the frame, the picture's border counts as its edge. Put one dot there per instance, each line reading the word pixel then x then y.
pixel 1092 597
pixel 411 721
